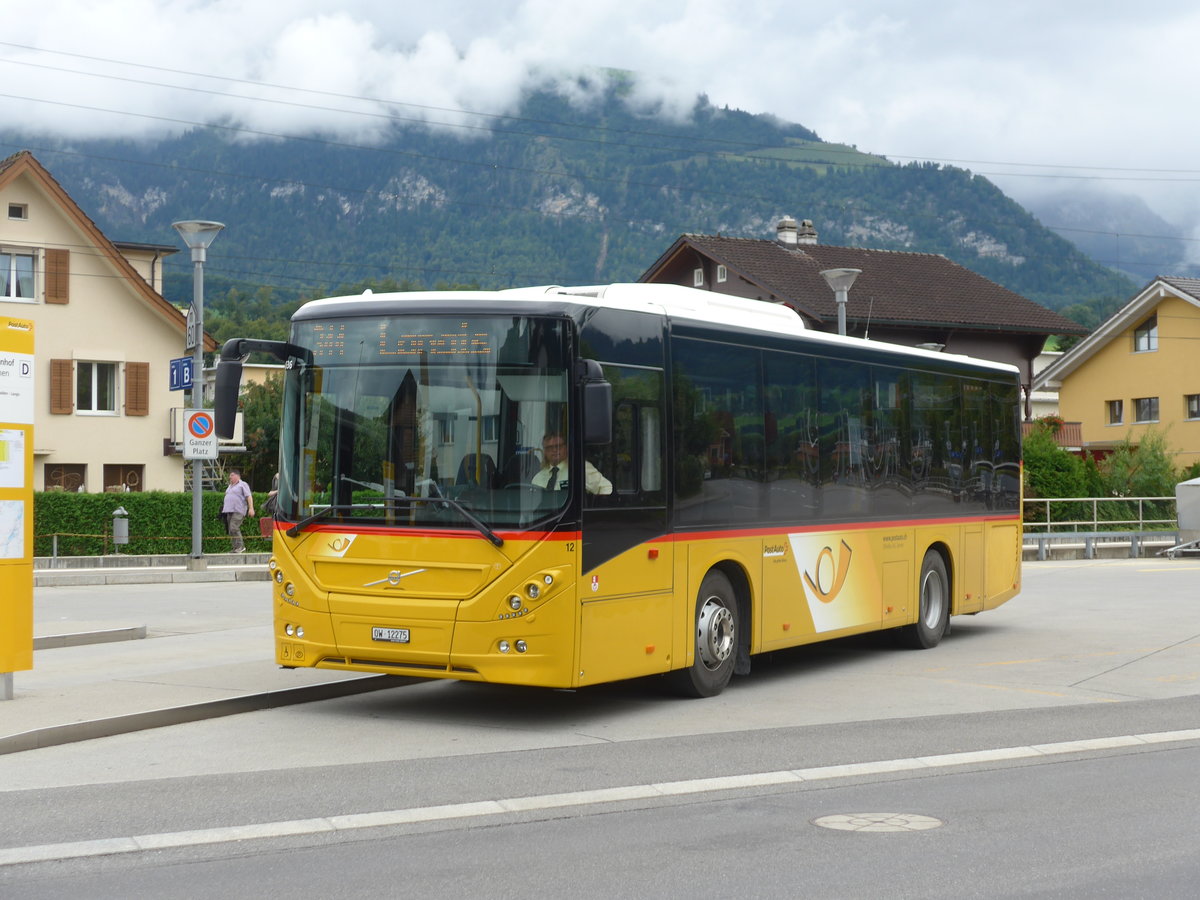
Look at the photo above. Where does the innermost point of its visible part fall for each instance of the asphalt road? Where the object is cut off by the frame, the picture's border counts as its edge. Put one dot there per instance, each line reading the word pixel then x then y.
pixel 446 788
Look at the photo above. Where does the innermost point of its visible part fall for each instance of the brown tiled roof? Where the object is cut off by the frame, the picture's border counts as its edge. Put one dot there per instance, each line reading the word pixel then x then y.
pixel 1187 285
pixel 1069 436
pixel 907 289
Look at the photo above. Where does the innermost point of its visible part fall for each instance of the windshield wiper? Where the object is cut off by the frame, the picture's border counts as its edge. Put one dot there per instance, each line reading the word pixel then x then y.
pixel 324 511
pixel 495 539
pixel 462 511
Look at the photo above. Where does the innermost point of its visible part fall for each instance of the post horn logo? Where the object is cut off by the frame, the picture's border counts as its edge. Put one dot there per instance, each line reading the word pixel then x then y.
pixel 826 567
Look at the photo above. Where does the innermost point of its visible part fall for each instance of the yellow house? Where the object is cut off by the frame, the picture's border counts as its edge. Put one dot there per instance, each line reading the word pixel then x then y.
pixel 1139 370
pixel 104 339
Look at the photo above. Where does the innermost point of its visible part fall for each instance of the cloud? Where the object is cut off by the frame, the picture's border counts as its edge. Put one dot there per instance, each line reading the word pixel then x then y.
pixel 1019 91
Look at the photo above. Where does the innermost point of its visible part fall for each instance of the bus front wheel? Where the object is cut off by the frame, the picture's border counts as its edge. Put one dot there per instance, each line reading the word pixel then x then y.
pixel 716 631
pixel 933 598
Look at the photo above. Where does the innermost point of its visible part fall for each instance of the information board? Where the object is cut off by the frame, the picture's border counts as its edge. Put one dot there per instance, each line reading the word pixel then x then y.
pixel 16 497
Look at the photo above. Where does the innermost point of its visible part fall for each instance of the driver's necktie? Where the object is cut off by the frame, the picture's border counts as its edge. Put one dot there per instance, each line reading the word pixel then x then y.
pixel 552 479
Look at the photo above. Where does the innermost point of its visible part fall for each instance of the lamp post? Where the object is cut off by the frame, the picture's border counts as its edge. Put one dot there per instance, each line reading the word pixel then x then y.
pixel 198 235
pixel 840 280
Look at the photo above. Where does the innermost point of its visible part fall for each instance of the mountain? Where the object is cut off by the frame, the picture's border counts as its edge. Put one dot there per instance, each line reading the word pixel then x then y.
pixel 1118 230
pixel 560 193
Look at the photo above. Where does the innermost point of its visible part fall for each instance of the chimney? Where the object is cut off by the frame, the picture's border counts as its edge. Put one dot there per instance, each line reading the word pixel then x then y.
pixel 785 231
pixel 807 234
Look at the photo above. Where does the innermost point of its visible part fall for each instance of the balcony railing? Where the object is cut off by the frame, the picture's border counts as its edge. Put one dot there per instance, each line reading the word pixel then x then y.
pixel 1068 514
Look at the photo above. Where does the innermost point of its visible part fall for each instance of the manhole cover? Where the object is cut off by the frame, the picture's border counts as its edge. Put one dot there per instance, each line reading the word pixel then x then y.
pixel 878 822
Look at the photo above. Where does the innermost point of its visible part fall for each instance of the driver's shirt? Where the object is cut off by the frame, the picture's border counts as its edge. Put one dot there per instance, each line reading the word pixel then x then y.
pixel 595 482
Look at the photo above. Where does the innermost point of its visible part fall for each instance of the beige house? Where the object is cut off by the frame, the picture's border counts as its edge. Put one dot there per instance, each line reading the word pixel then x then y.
pixel 1139 370
pixel 104 338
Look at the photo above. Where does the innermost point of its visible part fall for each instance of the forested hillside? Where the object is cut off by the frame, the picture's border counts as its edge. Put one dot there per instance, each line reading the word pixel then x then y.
pixel 559 194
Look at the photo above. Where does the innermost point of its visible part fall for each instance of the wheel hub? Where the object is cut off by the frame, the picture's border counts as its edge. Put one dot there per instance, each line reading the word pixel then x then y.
pixel 714 637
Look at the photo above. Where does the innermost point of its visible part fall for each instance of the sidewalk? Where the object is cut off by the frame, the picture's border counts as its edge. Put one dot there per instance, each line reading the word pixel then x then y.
pixel 110 661
pixel 65 571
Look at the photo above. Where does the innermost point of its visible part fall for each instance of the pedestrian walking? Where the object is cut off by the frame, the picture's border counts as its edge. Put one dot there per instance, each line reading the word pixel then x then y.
pixel 239 503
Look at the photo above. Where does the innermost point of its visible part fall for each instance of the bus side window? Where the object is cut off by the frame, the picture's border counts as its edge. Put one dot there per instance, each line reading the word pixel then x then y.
pixel 625 445
pixel 633 461
pixel 636 455
pixel 650 441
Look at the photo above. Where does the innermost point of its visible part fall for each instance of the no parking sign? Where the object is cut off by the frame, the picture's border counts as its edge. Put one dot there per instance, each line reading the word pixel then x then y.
pixel 199 434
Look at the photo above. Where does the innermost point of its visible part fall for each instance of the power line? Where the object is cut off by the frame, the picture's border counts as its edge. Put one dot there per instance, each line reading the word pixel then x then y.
pixel 575 214
pixel 513 118
pixel 497 117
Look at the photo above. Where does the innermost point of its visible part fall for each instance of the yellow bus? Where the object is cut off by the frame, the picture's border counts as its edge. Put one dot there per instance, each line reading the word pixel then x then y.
pixel 568 486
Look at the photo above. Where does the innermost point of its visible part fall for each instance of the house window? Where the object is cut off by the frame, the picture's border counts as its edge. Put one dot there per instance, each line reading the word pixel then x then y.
pixel 1145 409
pixel 1192 401
pixel 65 477
pixel 722 274
pixel 1116 411
pixel 95 388
pixel 1145 336
pixel 491 429
pixel 124 477
pixel 17 271
pixel 18 211
pixel 697 278
pixel 446 430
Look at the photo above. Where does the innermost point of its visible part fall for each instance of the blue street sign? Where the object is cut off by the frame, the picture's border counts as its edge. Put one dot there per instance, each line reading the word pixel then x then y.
pixel 181 373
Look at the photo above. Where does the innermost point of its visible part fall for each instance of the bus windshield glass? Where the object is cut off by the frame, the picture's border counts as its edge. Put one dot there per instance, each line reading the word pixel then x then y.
pixel 423 420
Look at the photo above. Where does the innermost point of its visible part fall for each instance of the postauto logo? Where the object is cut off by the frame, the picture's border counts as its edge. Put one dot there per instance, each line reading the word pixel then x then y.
pixel 838 581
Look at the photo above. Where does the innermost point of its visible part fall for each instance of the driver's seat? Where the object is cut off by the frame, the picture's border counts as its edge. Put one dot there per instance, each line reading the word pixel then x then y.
pixel 478 469
pixel 521 467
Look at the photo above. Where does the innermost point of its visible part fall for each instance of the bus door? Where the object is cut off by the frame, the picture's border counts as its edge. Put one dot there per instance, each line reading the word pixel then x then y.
pixel 627 576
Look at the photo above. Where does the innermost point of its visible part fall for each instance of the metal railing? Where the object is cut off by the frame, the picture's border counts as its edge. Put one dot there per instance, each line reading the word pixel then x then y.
pixel 1078 514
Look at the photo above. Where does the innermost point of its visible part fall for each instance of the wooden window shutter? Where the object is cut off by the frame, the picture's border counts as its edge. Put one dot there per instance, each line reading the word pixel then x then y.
pixel 137 389
pixel 58 276
pixel 62 387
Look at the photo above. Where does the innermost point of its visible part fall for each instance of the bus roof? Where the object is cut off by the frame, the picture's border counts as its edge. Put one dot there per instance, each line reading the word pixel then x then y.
pixel 673 301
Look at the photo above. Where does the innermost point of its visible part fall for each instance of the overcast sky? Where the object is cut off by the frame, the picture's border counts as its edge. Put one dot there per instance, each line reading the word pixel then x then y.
pixel 1097 92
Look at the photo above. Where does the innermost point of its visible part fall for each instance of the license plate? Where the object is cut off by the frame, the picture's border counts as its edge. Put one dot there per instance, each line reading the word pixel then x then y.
pixel 391 635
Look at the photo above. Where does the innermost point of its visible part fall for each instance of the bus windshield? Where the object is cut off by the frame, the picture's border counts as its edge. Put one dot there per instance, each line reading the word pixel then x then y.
pixel 423 420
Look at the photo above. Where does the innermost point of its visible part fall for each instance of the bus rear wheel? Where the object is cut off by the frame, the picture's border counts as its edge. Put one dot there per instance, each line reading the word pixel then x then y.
pixel 933 597
pixel 717 634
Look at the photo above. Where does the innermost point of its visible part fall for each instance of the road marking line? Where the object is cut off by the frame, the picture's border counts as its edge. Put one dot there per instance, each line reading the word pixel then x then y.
pixel 112 846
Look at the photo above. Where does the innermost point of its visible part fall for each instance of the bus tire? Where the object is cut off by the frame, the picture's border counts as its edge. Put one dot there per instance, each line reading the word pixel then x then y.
pixel 933 600
pixel 717 633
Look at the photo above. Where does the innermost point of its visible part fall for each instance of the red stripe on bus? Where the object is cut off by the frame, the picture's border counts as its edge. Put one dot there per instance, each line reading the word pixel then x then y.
pixel 460 534
pixel 830 527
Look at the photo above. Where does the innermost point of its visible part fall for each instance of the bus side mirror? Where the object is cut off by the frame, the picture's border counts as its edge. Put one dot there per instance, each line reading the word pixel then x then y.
pixel 229 379
pixel 597 403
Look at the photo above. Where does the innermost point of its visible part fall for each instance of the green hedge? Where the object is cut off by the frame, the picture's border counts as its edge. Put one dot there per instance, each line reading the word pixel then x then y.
pixel 160 522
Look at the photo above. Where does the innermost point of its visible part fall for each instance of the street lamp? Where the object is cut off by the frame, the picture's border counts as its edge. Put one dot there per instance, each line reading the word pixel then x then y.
pixel 198 235
pixel 840 280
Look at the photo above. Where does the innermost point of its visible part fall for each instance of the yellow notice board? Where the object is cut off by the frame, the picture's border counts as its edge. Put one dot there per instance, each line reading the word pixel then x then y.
pixel 16 494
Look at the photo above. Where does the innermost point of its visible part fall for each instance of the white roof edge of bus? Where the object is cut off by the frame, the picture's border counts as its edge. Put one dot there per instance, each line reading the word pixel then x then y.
pixel 679 301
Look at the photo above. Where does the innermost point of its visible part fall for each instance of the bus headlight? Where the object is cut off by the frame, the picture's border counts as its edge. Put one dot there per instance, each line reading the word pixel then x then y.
pixel 533 591
pixel 503 646
pixel 289 589
pixel 522 646
pixel 279 576
pixel 289 630
pixel 514 602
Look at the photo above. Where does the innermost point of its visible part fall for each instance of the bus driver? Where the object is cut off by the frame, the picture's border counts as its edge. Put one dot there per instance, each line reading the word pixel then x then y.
pixel 555 471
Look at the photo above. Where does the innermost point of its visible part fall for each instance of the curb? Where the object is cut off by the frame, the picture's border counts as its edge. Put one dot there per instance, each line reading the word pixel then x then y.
pixel 56 735
pixel 77 578
pixel 82 638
